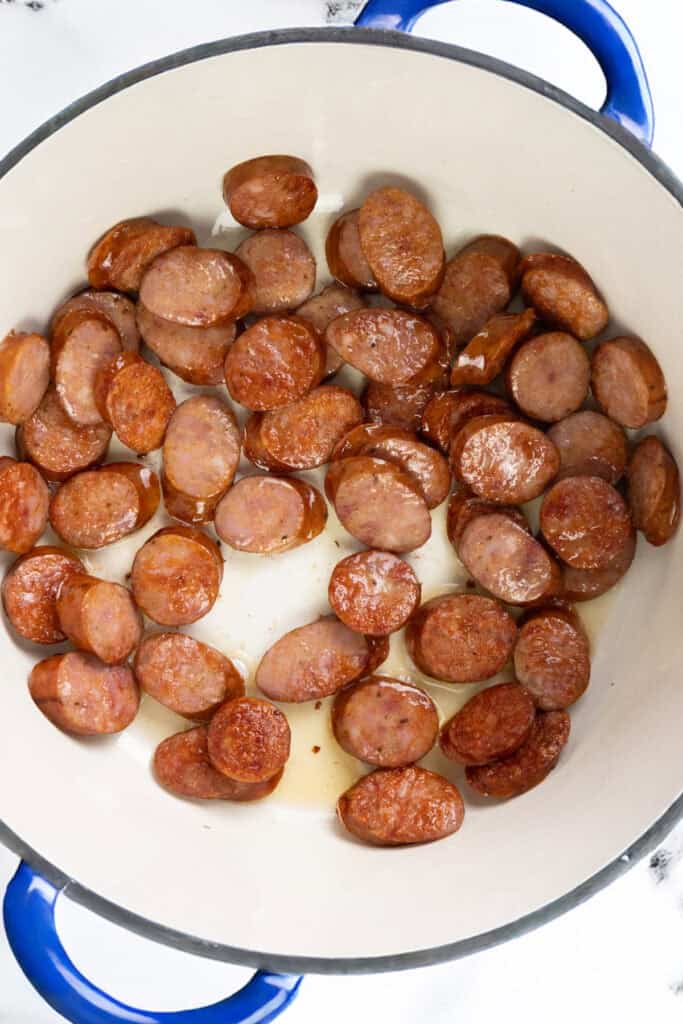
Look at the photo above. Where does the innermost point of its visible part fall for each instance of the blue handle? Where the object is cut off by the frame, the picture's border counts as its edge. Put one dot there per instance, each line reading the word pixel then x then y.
pixel 594 21
pixel 29 912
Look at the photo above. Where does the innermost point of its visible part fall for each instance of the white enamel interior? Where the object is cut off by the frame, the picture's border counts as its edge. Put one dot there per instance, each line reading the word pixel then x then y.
pixel 280 876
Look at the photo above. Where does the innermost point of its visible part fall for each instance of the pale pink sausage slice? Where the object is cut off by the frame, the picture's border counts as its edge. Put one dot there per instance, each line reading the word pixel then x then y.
pixel 303 435
pixel 590 444
pixel 185 675
pixel 197 287
pixel 58 446
pixel 134 398
pixel 385 722
pixel 122 255
pixel 176 575
pixel 30 589
pixel 628 383
pixel 492 724
pixel 100 506
pixel 267 515
pixel 563 294
pixel 529 765
pixel 373 592
pixel 654 491
pixel 283 269
pixel 99 616
pixel 548 377
pixel 24 504
pixel 116 307
pixel 345 256
pixel 333 301
pixel 249 739
pixel 24 375
pixel 485 355
pixel 504 559
pixel 312 662
pixel 552 657
pixel 388 345
pixel 585 521
pixel 270 191
pixel 447 412
pixel 195 354
pixel 82 695
pixel 84 342
pixel 463 507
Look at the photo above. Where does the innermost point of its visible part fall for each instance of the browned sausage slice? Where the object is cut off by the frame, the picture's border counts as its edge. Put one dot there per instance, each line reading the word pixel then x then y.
pixel 30 589
pixel 492 724
pixel 446 413
pixel 82 695
pixel 505 560
pixel 373 592
pixel 529 765
pixel 122 255
pixel 100 506
pixel 83 343
pixel 333 301
pixel 590 444
pixel 200 457
pixel 134 398
pixel 312 661
pixel 249 739
pixel 402 405
pixel 461 638
pixel 628 382
pixel 195 354
pixel 270 191
pixel 24 502
pixel 117 308
pixel 173 554
pixel 385 722
pixel 396 806
pixel 552 657
pixel 58 446
pixel 182 766
pixel 548 376
pixel 267 515
pixel 463 507
pixel 502 460
pixel 379 504
pixel 197 287
pixel 484 356
pixel 477 283
pixel 24 375
pixel 654 491
pixel 563 294
pixel 304 434
pixel 283 269
pixel 387 345
pixel 255 450
pixel 402 243
pixel 99 617
pixel 585 584
pixel 185 675
pixel 345 256
pixel 585 521
pixel 275 361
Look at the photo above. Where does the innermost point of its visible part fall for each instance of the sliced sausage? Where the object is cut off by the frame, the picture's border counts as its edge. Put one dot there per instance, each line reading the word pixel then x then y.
pixel 390 346
pixel 345 256
pixel 24 502
pixel 197 287
pixel 427 468
pixel 548 377
pixel 461 638
pixel 283 269
pixel 248 739
pixel 312 662
pixel 502 557
pixel 483 358
pixel 24 375
pixel 255 450
pixel 590 444
pixel 100 506
pixel 502 460
pixel 83 343
pixel 333 301
pixel 122 255
pixel 373 592
pixel 304 434
pixel 275 361
pixel 585 521
pixel 654 491
pixel 30 589
pixel 563 294
pixel 200 457
pixel 628 383
pixel 182 766
pixel 402 243
pixel 379 504
pixel 478 283
pixel 397 806
pixel 463 507
pixel 385 722
pixel 82 695
pixel 134 398
pixel 58 446
pixel 117 308
pixel 270 191
pixel 446 413
pixel 185 675
pixel 176 575
pixel 492 724
pixel 404 404
pixel 195 354
pixel 552 657
pixel 529 765
pixel 99 617
pixel 585 584
pixel 267 515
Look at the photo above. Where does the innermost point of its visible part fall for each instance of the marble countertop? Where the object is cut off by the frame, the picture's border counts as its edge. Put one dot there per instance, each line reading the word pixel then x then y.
pixel 617 957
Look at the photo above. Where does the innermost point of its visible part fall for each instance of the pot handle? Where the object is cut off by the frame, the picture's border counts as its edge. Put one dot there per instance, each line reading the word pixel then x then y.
pixel 629 101
pixel 29 908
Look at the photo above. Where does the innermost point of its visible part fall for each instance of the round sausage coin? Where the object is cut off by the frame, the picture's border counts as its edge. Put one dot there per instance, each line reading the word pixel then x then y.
pixel 197 287
pixel 345 256
pixel 116 307
pixel 529 765
pixel 270 191
pixel 552 658
pixel 267 515
pixel 446 413
pixel 283 269
pixel 195 354
pixel 182 766
pixel 121 256
pixel 585 584
pixel 654 491
pixel 100 506
pixel 585 521
pixel 30 589
pixel 502 556
pixel 333 301
pixel 83 343
pixel 463 507
pixel 82 695
pixel 385 722
pixel 492 724
pixel 548 377
pixel 99 616
pixel 24 502
pixel 373 592
pixel 590 444
pixel 563 294
pixel 304 434
pixel 24 375
pixel 388 345
pixel 58 446
pixel 176 575
pixel 249 739
pixel 134 398
pixel 275 361
pixel 628 383
pixel 185 675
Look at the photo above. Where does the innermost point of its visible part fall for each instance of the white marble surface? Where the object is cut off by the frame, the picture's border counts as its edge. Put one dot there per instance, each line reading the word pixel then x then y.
pixel 618 957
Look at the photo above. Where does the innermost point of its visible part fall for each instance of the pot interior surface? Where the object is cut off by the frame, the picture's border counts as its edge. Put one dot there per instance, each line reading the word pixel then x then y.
pixel 281 877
